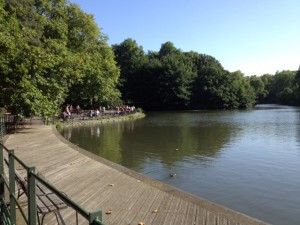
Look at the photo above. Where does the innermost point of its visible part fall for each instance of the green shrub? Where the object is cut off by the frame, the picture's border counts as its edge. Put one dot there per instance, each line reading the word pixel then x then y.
pixel 140 110
pixel 3 110
pixel 58 125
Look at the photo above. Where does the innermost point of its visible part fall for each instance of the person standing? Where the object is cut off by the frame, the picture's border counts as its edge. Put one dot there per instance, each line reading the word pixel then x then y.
pixel 68 111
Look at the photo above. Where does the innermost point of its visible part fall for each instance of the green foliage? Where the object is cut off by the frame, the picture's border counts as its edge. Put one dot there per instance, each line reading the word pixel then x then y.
pixel 175 79
pixel 58 125
pixel 284 87
pixel 242 90
pixel 297 87
pixel 130 58
pixel 47 48
pixel 2 111
pixel 209 84
pixel 100 78
pixel 52 53
pixel 281 88
pixel 172 79
pixel 140 110
pixel 259 87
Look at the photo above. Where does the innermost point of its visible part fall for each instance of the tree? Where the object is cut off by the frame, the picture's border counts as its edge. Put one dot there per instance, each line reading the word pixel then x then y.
pixel 168 48
pixel 243 92
pixel 268 80
pixel 176 77
pixel 96 74
pixel 208 86
pixel 284 87
pixel 130 58
pixel 100 77
pixel 259 87
pixel 146 89
pixel 49 49
pixel 83 31
pixel 217 88
pixel 28 68
pixel 297 79
pixel 172 79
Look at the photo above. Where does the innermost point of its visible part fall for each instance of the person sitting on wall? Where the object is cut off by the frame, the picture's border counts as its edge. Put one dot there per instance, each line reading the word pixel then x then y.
pixel 68 111
pixel 64 116
pixel 97 112
pixel 91 113
pixel 78 109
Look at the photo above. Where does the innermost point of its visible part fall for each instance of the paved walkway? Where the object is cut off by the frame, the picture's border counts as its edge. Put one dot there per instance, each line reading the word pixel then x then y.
pixel 97 184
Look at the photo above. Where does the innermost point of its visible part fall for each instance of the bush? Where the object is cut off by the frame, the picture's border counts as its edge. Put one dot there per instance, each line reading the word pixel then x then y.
pixel 58 125
pixel 140 110
pixel 3 110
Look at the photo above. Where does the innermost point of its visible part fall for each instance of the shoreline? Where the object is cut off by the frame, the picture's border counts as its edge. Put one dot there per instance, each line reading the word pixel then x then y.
pixel 99 120
pixel 112 186
pixel 222 212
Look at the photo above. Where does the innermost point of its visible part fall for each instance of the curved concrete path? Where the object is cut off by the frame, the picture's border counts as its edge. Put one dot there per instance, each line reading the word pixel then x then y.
pixel 97 184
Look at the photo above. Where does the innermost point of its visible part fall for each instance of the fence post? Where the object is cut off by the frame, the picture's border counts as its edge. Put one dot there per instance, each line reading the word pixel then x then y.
pixel 31 196
pixel 1 173
pixel 2 127
pixel 95 218
pixel 2 196
pixel 12 186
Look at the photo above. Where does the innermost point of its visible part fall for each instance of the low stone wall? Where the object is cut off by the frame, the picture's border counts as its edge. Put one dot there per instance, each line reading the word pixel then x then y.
pixel 99 120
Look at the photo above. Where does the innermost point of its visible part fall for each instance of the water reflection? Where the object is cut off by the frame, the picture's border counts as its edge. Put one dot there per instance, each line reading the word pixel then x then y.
pixel 102 141
pixel 298 127
pixel 246 160
pixel 171 146
pixel 67 134
pixel 169 138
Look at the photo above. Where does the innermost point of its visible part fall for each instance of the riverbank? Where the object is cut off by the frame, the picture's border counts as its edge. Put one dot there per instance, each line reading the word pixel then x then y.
pixel 98 184
pixel 78 121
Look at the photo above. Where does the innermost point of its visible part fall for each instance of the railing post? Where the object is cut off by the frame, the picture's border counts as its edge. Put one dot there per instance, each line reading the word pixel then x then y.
pixel 31 196
pixel 1 172
pixel 1 182
pixel 1 128
pixel 12 186
pixel 95 218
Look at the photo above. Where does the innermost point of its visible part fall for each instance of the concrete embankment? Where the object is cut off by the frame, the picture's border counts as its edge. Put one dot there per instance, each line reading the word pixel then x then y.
pixel 79 121
pixel 98 184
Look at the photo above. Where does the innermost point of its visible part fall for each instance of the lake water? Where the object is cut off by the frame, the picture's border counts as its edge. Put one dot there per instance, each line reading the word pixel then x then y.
pixel 247 160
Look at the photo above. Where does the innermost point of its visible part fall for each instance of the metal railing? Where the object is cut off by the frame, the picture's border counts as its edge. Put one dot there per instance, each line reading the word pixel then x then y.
pixel 8 213
pixel 8 124
pixel 2 127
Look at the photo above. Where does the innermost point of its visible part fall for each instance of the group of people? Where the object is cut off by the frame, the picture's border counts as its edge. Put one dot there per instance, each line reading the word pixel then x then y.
pixel 125 109
pixel 67 114
pixel 119 110
pixel 95 112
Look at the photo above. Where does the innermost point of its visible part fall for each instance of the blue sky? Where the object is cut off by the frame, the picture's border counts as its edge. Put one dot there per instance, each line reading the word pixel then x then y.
pixel 254 36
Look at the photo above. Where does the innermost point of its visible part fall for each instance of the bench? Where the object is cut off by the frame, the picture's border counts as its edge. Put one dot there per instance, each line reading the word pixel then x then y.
pixel 47 201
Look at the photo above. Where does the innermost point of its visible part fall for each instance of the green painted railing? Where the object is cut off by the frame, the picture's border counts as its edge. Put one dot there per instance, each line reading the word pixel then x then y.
pixel 8 213
pixel 2 127
pixel 8 124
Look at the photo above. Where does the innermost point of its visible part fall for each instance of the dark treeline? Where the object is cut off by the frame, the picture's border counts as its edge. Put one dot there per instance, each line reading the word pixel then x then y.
pixel 172 79
pixel 52 53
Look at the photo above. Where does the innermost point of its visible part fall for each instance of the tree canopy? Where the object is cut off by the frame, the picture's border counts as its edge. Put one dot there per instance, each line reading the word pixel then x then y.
pixel 52 53
pixel 173 79
pixel 283 88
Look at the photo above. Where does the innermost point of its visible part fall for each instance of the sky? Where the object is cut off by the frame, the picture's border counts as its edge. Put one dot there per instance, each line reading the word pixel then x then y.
pixel 253 36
